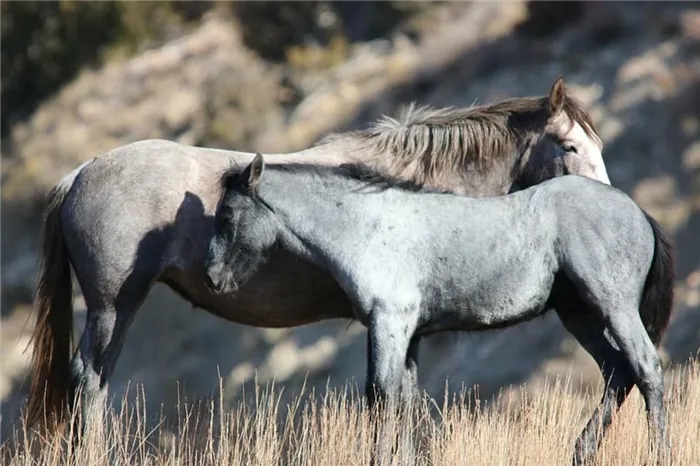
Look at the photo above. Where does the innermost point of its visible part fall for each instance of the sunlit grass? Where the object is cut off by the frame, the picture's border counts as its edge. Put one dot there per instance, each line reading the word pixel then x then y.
pixel 336 428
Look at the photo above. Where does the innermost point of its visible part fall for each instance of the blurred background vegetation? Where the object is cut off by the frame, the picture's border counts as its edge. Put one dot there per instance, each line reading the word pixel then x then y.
pixel 44 44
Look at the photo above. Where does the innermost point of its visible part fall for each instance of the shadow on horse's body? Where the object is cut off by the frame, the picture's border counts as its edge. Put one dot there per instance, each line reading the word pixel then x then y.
pixel 143 213
pixel 415 263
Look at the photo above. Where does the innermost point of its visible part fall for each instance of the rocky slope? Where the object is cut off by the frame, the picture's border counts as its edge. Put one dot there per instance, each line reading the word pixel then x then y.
pixel 636 67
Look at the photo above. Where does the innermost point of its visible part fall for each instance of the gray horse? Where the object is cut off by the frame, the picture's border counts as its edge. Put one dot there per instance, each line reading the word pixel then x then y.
pixel 143 213
pixel 416 263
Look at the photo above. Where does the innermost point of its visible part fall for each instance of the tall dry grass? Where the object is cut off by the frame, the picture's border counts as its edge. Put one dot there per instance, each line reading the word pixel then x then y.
pixel 335 428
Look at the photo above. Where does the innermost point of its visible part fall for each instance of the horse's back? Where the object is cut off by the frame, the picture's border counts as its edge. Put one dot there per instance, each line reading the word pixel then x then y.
pixel 587 207
pixel 577 198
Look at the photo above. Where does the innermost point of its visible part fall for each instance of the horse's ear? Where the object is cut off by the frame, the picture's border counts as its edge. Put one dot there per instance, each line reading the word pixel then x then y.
pixel 557 95
pixel 254 171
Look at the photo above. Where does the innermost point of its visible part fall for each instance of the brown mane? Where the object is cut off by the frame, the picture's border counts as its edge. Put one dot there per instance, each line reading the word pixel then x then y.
pixel 437 142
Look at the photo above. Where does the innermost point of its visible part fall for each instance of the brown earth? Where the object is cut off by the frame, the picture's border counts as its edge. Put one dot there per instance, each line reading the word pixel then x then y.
pixel 635 66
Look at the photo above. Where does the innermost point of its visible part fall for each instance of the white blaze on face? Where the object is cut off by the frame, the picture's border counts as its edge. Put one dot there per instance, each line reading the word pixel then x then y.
pixel 587 160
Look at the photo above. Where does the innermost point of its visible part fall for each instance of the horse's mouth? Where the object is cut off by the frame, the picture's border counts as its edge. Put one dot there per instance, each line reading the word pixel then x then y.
pixel 224 286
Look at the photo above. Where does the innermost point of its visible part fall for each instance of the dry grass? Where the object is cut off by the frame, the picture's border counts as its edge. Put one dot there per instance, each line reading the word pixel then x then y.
pixel 336 429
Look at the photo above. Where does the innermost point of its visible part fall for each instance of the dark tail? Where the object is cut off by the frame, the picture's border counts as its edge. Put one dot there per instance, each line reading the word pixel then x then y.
pixel 53 330
pixel 657 297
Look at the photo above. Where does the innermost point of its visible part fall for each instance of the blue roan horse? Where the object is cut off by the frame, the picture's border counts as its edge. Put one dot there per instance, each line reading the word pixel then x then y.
pixel 414 263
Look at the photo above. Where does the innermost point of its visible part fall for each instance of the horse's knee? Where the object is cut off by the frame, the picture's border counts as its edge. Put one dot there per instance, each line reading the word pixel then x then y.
pixel 382 389
pixel 654 372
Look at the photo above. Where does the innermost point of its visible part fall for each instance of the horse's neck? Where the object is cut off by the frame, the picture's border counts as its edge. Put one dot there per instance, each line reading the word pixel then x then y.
pixel 303 204
pixel 321 215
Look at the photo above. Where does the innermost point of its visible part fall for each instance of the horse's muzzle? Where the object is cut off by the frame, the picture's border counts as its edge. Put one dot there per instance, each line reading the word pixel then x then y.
pixel 213 283
pixel 218 284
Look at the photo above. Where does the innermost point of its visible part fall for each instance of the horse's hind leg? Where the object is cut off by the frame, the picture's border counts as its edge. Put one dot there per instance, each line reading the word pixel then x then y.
pixel 94 361
pixel 585 325
pixel 618 311
pixel 103 337
pixel 629 333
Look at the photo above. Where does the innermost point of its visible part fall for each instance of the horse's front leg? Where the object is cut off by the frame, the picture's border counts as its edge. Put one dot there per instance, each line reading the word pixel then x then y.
pixel 390 384
pixel 410 392
pixel 391 370
pixel 409 383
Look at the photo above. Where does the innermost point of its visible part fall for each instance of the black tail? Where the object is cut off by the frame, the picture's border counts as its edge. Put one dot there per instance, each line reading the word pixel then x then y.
pixel 657 297
pixel 53 329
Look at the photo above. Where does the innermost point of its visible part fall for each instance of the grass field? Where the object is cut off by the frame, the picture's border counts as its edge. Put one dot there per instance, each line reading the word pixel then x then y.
pixel 335 429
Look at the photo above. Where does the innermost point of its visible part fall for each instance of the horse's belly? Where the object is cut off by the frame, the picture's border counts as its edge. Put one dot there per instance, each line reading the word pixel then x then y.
pixel 283 293
pixel 493 303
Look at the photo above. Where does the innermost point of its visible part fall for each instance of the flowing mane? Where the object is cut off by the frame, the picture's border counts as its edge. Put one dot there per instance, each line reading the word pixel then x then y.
pixel 437 142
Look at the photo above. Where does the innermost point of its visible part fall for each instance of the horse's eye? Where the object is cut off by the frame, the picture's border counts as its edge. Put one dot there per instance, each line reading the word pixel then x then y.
pixel 569 148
